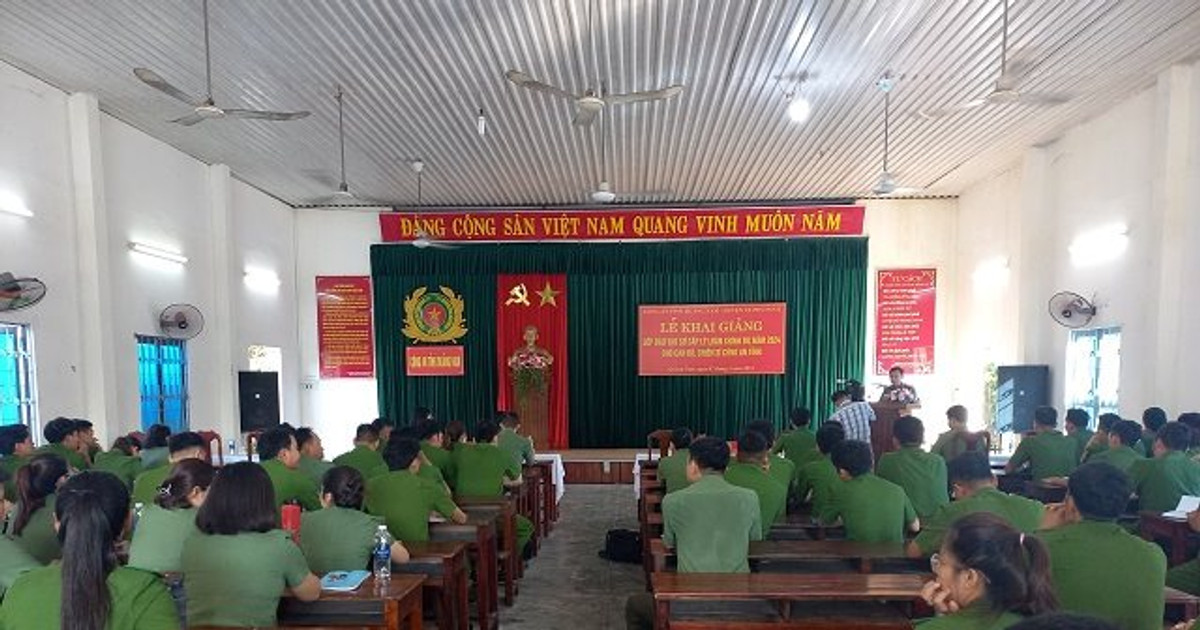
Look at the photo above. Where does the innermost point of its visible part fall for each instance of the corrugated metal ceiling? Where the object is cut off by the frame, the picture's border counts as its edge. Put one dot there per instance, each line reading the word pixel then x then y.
pixel 416 72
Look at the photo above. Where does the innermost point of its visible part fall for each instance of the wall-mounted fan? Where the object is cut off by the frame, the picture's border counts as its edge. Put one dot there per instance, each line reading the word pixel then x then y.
pixel 18 293
pixel 1071 309
pixel 181 321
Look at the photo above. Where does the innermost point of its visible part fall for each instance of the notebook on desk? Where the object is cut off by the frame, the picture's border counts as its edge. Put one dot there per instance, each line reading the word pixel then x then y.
pixel 343 580
pixel 1187 504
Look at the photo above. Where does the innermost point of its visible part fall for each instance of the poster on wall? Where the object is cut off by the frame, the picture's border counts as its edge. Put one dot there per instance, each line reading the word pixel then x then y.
pixel 905 306
pixel 711 339
pixel 344 338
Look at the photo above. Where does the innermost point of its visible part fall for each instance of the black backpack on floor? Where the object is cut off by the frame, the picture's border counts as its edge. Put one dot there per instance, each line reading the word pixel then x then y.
pixel 622 545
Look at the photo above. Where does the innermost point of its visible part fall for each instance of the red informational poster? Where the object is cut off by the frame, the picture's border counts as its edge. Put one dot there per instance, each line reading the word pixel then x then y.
pixel 905 306
pixel 434 361
pixel 344 338
pixel 711 339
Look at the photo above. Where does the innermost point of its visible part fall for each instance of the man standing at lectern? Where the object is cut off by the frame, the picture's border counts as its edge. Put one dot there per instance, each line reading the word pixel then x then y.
pixel 853 413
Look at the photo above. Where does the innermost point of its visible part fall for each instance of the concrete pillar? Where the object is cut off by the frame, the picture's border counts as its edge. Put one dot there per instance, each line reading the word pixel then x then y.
pixel 220 329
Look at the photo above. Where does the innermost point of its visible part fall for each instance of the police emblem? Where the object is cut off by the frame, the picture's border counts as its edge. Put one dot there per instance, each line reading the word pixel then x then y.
pixel 434 317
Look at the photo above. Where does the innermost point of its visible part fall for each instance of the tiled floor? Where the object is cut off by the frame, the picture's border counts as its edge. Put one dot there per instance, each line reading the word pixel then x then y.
pixel 568 586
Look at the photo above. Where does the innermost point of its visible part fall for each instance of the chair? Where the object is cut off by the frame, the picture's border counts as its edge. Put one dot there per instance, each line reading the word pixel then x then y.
pixel 209 438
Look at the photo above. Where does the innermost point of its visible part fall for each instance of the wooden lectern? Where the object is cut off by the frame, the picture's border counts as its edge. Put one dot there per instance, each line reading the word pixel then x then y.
pixel 886 414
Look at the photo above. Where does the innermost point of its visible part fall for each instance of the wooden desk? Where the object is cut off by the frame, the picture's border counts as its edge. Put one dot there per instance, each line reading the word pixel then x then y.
pixel 1189 605
pixel 480 535
pixel 505 513
pixel 1044 491
pixel 781 588
pixel 549 495
pixel 801 550
pixel 1152 526
pixel 394 605
pixel 799 526
pixel 444 565
pixel 533 494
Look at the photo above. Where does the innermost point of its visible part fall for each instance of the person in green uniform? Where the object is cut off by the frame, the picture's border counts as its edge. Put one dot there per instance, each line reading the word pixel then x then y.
pixel 485 470
pixel 1169 475
pixel 404 499
pixel 312 455
pixel 710 524
pixel 31 523
pixel 1121 438
pixel 1047 452
pixel 121 460
pixel 872 509
pixel 156 449
pixel 988 575
pixel 921 474
pixel 750 472
pixel 89 446
pixel 62 439
pixel 672 469
pixel 974 488
pixel 365 457
pixel 510 440
pixel 1099 442
pixel 958 439
pixel 1191 420
pixel 1076 423
pixel 383 428
pixel 818 480
pixel 798 445
pixel 781 469
pixel 1153 419
pixel 339 536
pixel 1094 560
pixel 164 525
pixel 14 560
pixel 1186 577
pixel 432 433
pixel 88 589
pixel 186 445
pixel 281 459
pixel 16 447
pixel 427 469
pixel 239 564
pixel 456 433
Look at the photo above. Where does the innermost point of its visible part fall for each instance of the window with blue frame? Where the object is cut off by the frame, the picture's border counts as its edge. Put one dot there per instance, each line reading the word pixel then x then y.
pixel 18 400
pixel 162 373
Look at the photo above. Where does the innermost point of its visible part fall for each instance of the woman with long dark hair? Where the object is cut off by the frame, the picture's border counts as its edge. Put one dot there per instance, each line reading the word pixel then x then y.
pixel 31 522
pixel 162 527
pixel 988 575
pixel 241 563
pixel 340 536
pixel 89 590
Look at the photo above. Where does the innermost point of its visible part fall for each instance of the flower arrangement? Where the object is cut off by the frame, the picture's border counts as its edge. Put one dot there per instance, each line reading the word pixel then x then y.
pixel 529 371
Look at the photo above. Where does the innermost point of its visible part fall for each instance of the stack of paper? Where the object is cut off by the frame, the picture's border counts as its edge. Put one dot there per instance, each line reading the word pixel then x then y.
pixel 1187 505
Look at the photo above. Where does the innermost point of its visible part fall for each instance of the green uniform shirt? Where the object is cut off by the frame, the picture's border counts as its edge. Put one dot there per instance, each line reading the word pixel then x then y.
pixel 365 459
pixel 1081 437
pixel 1161 481
pixel 873 509
pixel 441 458
pixel 820 478
pixel 337 539
pixel 159 537
pixel 13 562
pixel 1098 444
pixel 710 525
pixel 921 474
pixel 772 495
pixel 38 538
pixel 799 446
pixel 974 617
pixel 238 580
pixel 405 500
pixel 1049 454
pixel 314 469
pixel 1023 514
pixel 516 445
pixel 126 468
pixel 672 470
pixel 482 469
pixel 1122 457
pixel 1100 569
pixel 74 458
pixel 292 485
pixel 155 457
pixel 140 601
pixel 145 485
pixel 10 464
pixel 951 444
pixel 782 470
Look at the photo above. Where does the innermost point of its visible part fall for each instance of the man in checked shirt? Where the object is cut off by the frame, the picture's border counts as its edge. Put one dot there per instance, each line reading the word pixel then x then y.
pixel 854 414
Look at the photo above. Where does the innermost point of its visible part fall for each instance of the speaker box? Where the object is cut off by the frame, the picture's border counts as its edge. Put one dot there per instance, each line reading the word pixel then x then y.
pixel 258 400
pixel 1019 390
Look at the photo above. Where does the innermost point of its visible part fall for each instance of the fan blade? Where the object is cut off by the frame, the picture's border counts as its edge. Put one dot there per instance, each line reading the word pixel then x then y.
pixel 440 245
pixel 934 114
pixel 585 115
pixel 189 120
pixel 1042 98
pixel 265 115
pixel 151 78
pixel 523 80
pixel 639 97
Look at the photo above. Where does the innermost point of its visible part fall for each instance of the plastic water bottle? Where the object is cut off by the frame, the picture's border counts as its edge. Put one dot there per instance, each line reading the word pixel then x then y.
pixel 382 554
pixel 137 516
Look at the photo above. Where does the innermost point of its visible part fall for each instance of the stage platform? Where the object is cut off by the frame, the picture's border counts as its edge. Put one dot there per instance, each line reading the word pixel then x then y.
pixel 599 465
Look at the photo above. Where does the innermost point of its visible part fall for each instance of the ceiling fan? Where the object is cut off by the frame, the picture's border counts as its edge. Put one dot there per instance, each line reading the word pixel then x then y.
pixel 206 108
pixel 1004 90
pixel 590 103
pixel 604 193
pixel 343 196
pixel 885 183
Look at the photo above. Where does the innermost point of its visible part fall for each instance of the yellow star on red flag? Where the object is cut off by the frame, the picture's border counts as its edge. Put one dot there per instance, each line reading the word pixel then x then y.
pixel 548 295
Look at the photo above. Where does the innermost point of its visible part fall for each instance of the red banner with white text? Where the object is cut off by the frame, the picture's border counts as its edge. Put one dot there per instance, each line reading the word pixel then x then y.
pixel 905 307
pixel 623 224
pixel 531 354
pixel 711 339
pixel 344 338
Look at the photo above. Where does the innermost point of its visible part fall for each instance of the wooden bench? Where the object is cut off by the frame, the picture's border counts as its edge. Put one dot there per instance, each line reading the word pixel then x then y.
pixel 1045 491
pixel 549 495
pixel 863 554
pixel 1187 605
pixel 800 526
pixel 1153 527
pixel 480 535
pixel 444 565
pixel 505 513
pixel 531 495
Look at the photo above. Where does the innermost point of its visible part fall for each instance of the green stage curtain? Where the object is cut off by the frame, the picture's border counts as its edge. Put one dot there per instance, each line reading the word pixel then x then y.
pixel 823 282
